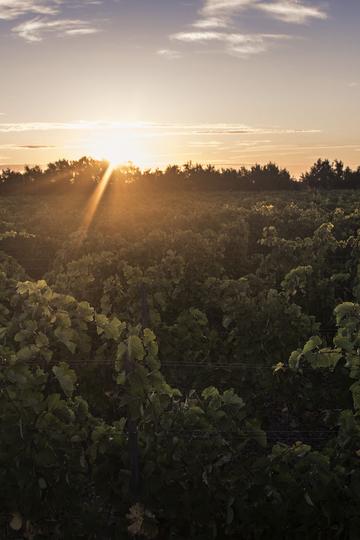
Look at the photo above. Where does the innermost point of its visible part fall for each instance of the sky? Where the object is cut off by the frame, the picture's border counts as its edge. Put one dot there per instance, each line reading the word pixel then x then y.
pixel 227 82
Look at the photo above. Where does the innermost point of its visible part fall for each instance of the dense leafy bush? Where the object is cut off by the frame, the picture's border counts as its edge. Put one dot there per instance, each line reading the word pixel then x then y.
pixel 188 370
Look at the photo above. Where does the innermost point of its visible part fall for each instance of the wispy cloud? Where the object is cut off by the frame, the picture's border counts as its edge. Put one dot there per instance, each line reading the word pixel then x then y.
pixel 353 84
pixel 211 22
pixel 35 29
pixel 295 11
pixel 291 149
pixel 292 11
pixel 12 9
pixel 26 146
pixel 169 54
pixel 20 127
pixel 213 8
pixel 35 147
pixel 49 18
pixel 217 20
pixel 242 45
pixel 240 129
pixel 149 128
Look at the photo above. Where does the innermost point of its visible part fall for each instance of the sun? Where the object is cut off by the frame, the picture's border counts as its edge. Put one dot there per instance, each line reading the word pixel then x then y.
pixel 117 150
pixel 120 149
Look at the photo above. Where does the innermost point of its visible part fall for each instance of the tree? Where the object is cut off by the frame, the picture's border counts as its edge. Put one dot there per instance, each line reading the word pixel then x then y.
pixel 326 175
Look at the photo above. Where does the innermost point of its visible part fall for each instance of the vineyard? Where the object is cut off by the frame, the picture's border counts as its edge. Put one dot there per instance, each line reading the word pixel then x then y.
pixel 188 368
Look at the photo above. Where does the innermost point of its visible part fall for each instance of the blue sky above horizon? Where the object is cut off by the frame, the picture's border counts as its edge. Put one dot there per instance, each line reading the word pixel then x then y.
pixel 229 82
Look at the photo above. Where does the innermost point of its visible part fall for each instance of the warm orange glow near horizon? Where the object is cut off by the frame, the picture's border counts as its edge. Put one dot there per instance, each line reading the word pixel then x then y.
pixel 119 149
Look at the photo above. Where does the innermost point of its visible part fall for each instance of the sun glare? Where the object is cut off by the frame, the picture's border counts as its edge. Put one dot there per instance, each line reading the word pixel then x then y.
pixel 119 150
pixel 94 202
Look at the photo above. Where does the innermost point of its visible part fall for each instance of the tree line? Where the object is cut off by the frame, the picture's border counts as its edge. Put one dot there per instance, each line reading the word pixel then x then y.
pixel 84 174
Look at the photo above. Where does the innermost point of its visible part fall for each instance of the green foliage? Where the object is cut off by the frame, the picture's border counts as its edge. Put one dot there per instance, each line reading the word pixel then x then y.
pixel 144 384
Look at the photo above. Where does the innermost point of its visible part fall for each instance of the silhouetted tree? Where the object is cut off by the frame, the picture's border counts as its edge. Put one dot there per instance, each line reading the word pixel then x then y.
pixel 82 177
pixel 326 175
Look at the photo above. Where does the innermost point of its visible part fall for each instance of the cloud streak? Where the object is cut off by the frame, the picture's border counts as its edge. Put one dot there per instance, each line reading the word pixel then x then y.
pixel 217 19
pixel 242 45
pixel 34 147
pixel 211 22
pixel 46 17
pixel 291 11
pixel 13 9
pixel 35 29
pixel 26 146
pixel 169 54
pixel 77 125
pixel 148 128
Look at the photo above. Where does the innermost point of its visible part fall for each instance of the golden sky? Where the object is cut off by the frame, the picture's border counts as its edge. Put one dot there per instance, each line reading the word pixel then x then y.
pixel 231 82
